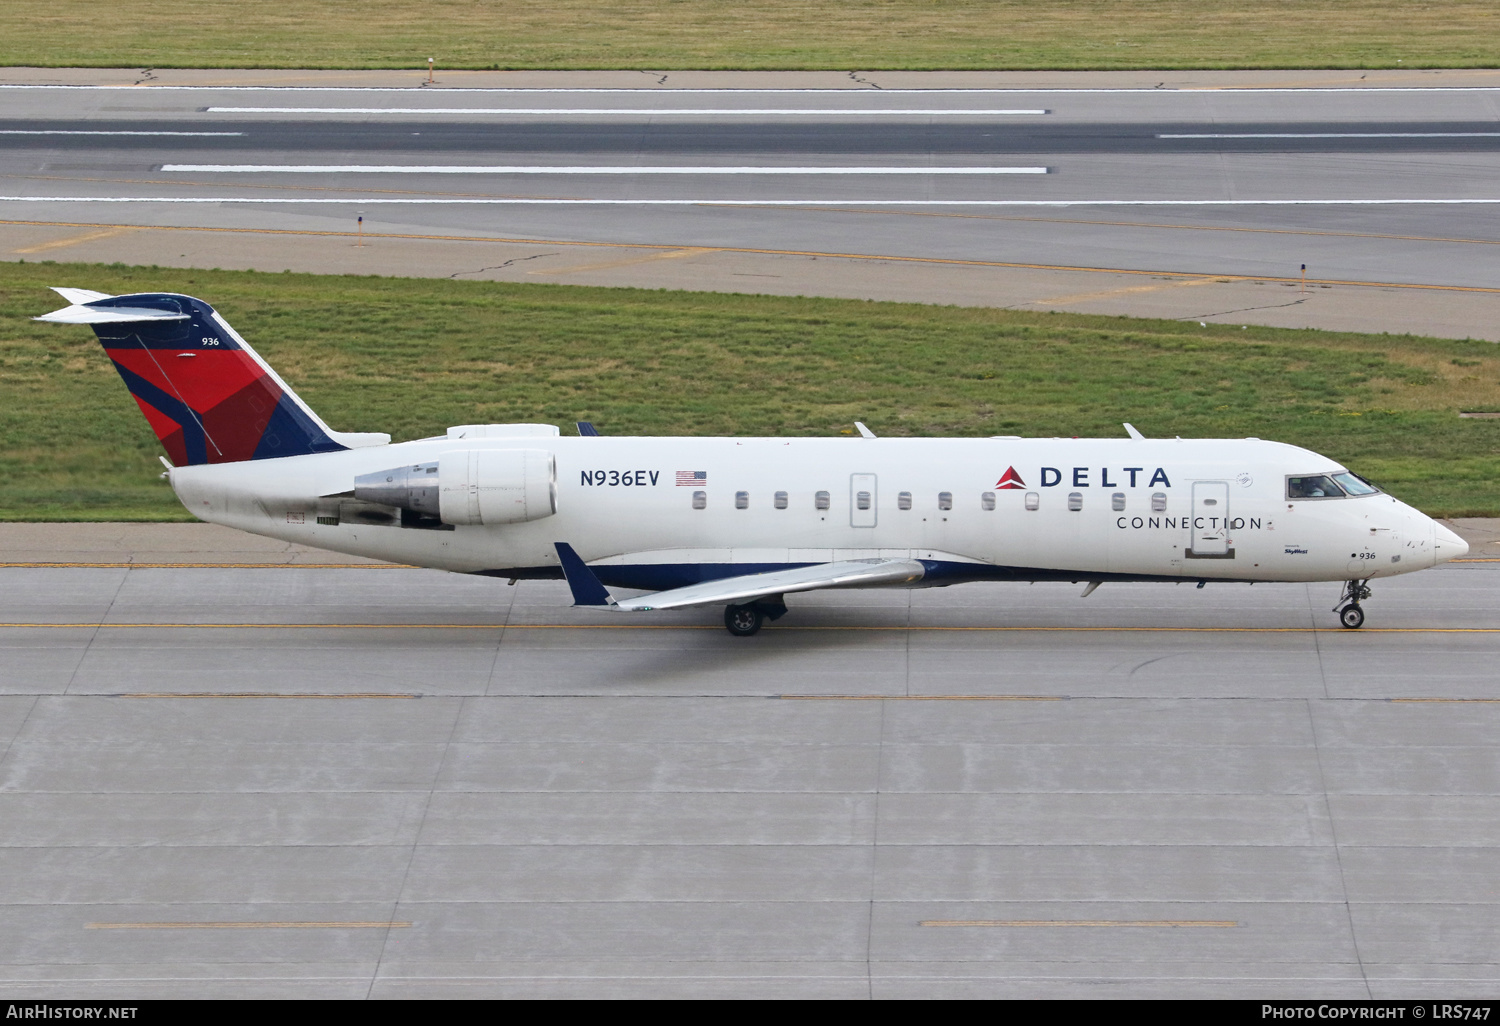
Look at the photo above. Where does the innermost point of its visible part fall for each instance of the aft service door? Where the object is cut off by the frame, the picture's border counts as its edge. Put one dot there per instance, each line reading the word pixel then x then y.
pixel 1208 531
pixel 861 500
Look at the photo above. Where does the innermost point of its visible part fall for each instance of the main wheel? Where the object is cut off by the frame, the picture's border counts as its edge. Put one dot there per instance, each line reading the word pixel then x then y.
pixel 1352 617
pixel 743 621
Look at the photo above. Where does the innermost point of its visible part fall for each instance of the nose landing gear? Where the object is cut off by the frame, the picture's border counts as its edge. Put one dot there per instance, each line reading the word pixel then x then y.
pixel 1350 614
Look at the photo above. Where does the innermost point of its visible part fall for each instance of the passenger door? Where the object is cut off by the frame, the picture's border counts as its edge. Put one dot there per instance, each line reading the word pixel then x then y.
pixel 862 498
pixel 1208 530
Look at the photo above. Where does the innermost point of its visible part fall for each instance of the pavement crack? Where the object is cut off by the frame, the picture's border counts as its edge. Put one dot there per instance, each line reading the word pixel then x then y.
pixel 416 843
pixel 15 738
pixel 863 81
pixel 499 267
pixel 1338 854
pixel 1245 309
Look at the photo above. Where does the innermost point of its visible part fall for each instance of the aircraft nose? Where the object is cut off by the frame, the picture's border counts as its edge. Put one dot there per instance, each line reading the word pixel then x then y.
pixel 1446 545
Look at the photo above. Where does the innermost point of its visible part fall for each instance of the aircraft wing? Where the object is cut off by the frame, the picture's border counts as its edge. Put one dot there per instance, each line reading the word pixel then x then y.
pixel 854 573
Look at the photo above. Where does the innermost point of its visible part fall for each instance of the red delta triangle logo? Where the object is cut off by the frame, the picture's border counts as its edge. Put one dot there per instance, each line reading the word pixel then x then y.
pixel 1010 479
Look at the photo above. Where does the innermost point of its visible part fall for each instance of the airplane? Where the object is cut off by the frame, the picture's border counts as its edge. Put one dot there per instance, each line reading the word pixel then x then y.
pixel 741 522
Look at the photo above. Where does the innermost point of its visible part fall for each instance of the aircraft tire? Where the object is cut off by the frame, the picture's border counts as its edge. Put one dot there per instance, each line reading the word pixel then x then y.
pixel 1352 617
pixel 743 621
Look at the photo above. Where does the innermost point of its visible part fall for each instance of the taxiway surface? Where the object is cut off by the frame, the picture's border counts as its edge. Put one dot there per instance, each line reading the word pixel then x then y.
pixel 312 780
pixel 1194 201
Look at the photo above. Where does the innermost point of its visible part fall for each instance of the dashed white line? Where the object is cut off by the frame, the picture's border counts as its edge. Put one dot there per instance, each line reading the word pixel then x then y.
pixel 633 111
pixel 59 131
pixel 533 169
pixel 1330 135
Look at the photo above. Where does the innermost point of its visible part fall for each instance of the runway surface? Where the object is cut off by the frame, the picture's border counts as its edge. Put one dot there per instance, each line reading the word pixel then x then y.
pixel 355 780
pixel 969 190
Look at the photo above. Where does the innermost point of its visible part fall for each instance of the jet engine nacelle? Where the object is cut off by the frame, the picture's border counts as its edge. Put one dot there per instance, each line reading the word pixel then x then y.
pixel 470 487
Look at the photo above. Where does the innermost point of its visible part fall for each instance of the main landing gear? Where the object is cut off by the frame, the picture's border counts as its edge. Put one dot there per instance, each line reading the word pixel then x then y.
pixel 747 619
pixel 1350 614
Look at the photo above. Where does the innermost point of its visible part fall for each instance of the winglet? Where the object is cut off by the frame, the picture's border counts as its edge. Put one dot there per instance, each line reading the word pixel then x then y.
pixel 1133 433
pixel 864 432
pixel 587 591
pixel 586 429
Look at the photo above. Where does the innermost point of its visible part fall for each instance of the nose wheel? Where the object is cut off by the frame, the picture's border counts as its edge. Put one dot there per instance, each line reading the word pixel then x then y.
pixel 1350 614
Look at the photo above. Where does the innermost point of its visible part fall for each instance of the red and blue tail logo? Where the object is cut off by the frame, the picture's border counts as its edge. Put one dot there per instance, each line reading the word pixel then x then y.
pixel 207 394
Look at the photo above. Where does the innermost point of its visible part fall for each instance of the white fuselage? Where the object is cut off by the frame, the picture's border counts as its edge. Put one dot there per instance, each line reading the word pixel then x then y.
pixel 1199 509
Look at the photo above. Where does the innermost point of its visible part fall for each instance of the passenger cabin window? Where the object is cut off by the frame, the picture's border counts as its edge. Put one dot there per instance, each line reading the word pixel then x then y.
pixel 987 500
pixel 1033 501
pixel 1117 502
pixel 1313 486
pixel 1075 501
pixel 780 500
pixel 945 500
pixel 1158 502
pixel 741 500
pixel 820 500
pixel 700 500
pixel 903 500
pixel 862 500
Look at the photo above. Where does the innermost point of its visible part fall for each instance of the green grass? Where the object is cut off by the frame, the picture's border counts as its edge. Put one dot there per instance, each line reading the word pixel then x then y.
pixel 413 355
pixel 752 34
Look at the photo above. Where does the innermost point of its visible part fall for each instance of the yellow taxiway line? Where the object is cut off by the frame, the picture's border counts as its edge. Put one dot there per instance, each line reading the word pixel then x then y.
pixel 920 627
pixel 210 566
pixel 57 565
pixel 891 258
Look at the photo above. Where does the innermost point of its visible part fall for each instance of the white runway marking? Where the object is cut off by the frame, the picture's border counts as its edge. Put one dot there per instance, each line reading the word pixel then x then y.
pixel 50 131
pixel 525 201
pixel 1332 135
pixel 625 111
pixel 530 169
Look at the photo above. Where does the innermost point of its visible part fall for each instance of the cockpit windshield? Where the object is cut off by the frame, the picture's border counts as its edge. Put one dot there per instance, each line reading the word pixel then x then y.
pixel 1328 486
pixel 1353 484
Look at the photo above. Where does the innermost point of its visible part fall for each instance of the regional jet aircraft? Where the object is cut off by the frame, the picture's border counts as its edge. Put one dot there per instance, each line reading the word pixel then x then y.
pixel 741 522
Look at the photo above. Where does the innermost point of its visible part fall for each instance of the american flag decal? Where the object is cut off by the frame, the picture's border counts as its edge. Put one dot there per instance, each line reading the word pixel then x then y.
pixel 691 478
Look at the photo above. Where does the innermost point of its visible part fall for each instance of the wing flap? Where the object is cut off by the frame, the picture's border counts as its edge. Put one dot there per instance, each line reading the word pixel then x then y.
pixel 860 573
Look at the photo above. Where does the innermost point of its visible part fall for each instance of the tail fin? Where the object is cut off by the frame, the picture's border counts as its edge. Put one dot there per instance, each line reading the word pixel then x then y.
pixel 207 394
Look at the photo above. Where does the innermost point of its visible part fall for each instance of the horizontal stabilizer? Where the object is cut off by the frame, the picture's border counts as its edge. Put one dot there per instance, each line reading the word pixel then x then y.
pixel 108 315
pixel 855 573
pixel 81 296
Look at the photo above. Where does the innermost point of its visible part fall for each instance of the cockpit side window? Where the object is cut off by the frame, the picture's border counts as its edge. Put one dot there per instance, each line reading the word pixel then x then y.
pixel 1313 486
pixel 1353 484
